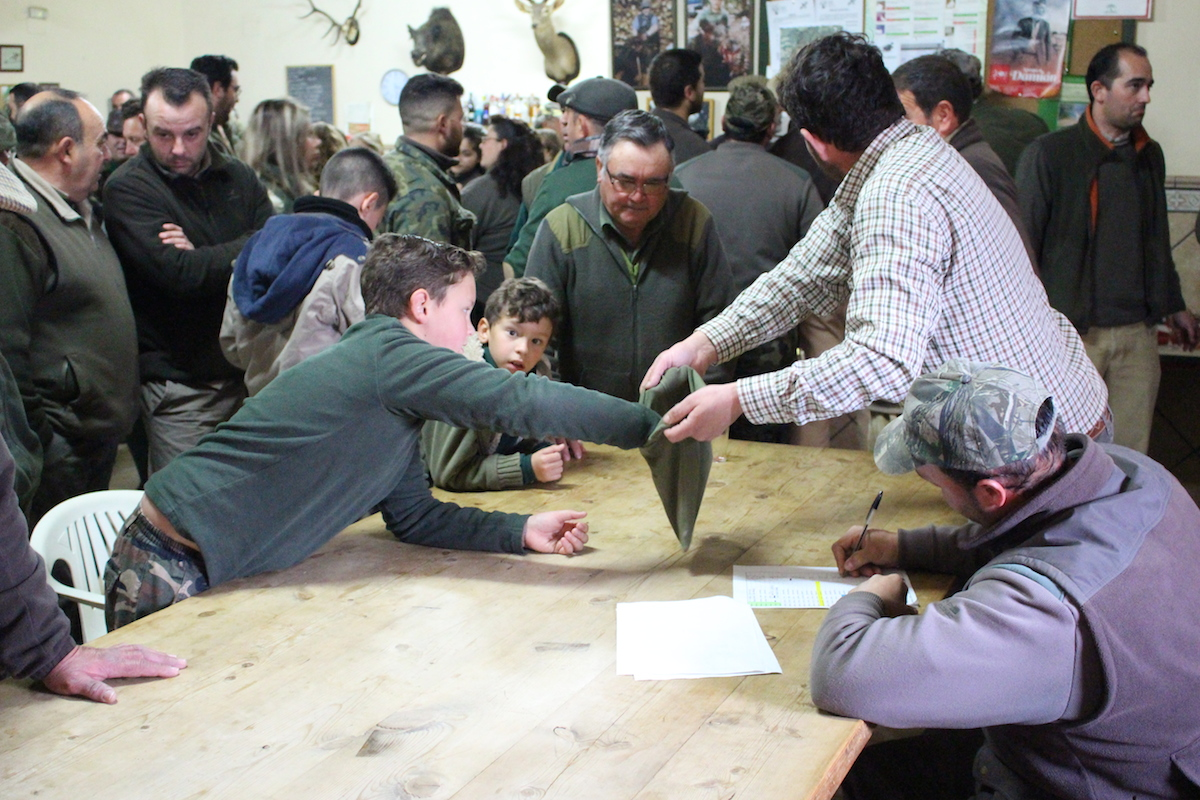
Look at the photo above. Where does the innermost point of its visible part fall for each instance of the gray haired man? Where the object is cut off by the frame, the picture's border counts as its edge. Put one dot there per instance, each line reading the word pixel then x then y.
pixel 1072 644
pixel 633 262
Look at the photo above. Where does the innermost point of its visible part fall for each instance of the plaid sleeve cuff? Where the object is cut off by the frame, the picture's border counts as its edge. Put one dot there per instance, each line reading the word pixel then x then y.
pixel 760 398
pixel 723 332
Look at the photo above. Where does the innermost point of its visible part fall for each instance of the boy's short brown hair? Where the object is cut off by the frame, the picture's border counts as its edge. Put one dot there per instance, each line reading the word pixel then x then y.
pixel 525 299
pixel 396 266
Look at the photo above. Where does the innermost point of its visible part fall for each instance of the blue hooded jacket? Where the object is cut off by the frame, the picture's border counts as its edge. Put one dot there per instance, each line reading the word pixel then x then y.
pixel 281 262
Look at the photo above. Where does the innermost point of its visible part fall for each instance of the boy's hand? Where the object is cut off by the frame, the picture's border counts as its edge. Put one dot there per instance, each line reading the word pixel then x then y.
pixel 548 463
pixel 574 448
pixel 562 532
pixel 880 549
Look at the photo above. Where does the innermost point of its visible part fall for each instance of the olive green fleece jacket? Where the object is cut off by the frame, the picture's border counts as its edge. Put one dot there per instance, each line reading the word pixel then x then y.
pixel 467 460
pixel 613 325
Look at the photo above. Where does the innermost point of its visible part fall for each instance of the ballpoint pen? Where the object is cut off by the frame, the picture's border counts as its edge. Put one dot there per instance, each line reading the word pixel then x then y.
pixel 870 514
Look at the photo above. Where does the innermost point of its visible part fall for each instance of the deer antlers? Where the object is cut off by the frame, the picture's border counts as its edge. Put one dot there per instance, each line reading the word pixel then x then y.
pixel 350 28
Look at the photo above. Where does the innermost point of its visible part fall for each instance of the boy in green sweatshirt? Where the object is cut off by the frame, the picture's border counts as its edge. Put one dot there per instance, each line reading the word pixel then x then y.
pixel 338 435
pixel 518 322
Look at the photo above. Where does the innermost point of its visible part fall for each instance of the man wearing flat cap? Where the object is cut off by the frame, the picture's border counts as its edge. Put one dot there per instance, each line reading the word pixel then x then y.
pixel 587 107
pixel 762 206
pixel 1072 645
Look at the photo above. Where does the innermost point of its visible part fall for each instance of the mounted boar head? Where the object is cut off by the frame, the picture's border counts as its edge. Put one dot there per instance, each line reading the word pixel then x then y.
pixel 438 44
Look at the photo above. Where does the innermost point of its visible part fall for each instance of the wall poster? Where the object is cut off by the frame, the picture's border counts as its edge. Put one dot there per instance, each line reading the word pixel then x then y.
pixel 1029 42
pixel 791 24
pixel 906 29
pixel 641 29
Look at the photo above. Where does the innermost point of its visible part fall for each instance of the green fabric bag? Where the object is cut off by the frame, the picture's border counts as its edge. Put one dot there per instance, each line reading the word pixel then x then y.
pixel 680 470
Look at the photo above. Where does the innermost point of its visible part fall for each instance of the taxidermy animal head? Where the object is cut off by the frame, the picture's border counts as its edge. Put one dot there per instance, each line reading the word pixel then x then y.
pixel 561 56
pixel 349 28
pixel 438 44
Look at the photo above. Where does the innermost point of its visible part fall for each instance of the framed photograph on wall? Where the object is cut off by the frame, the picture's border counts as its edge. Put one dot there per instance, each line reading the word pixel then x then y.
pixel 641 29
pixel 12 58
pixel 723 32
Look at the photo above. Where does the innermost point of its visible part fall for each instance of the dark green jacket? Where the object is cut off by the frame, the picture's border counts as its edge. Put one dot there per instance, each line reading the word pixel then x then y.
pixel 573 178
pixel 427 200
pixel 464 460
pixel 338 434
pixel 66 328
pixel 1006 129
pixel 1056 181
pixel 178 296
pixel 613 326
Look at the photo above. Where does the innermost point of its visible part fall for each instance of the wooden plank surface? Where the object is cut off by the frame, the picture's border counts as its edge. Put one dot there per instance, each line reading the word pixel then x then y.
pixel 378 669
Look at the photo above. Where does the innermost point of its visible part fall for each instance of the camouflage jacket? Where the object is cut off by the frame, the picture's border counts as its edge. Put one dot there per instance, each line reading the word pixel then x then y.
pixel 427 200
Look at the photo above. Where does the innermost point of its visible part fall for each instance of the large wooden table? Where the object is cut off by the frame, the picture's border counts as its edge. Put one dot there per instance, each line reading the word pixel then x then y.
pixel 378 669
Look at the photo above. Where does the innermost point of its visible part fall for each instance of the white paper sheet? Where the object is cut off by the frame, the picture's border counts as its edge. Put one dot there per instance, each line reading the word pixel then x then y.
pixel 796 587
pixel 706 638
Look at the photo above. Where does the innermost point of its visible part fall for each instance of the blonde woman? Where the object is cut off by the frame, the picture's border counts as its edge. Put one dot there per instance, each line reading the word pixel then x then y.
pixel 280 146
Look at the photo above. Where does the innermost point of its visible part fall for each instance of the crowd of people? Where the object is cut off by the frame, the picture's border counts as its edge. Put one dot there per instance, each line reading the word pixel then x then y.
pixel 161 265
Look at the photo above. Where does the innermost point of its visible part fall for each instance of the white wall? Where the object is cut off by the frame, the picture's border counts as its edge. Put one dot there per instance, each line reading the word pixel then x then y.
pixel 96 46
pixel 93 47
pixel 1174 114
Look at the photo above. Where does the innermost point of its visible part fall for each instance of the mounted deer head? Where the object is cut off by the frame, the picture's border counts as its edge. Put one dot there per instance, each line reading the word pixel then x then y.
pixel 561 56
pixel 349 28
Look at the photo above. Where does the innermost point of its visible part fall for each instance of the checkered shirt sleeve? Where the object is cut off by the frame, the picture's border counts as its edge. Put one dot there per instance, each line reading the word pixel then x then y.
pixel 933 269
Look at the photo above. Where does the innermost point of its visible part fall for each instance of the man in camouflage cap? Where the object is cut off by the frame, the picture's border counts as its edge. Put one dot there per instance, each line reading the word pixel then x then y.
pixel 1068 658
pixel 428 203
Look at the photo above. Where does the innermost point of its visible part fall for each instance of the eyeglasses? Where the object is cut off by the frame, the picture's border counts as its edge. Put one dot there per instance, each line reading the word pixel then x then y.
pixel 625 184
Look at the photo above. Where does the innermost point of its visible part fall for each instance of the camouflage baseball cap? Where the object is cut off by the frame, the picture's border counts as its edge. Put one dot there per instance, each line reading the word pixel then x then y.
pixel 966 416
pixel 751 107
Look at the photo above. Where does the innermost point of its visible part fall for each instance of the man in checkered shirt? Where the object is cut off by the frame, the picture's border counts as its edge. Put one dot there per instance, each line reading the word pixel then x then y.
pixel 931 264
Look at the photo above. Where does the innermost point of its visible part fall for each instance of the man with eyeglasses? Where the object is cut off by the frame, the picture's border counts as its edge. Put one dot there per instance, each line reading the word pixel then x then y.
pixel 636 264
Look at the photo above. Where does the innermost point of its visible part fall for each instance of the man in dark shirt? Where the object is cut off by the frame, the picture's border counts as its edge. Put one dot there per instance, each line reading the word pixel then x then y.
pixel 1094 204
pixel 677 87
pixel 178 214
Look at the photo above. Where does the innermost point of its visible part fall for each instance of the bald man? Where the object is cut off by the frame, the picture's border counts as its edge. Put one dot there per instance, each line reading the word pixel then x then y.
pixel 66 326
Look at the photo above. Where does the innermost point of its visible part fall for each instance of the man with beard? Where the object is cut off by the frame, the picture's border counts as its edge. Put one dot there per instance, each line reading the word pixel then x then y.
pixel 178 213
pixel 931 266
pixel 427 201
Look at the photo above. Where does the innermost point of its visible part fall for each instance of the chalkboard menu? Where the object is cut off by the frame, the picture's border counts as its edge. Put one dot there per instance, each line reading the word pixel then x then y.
pixel 313 86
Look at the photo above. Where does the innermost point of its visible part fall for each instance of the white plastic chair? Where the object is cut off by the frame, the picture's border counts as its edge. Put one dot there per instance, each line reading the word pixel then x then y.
pixel 80 532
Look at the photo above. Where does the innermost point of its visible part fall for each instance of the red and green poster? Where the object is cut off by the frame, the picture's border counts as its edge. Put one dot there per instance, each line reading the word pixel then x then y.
pixel 1029 42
